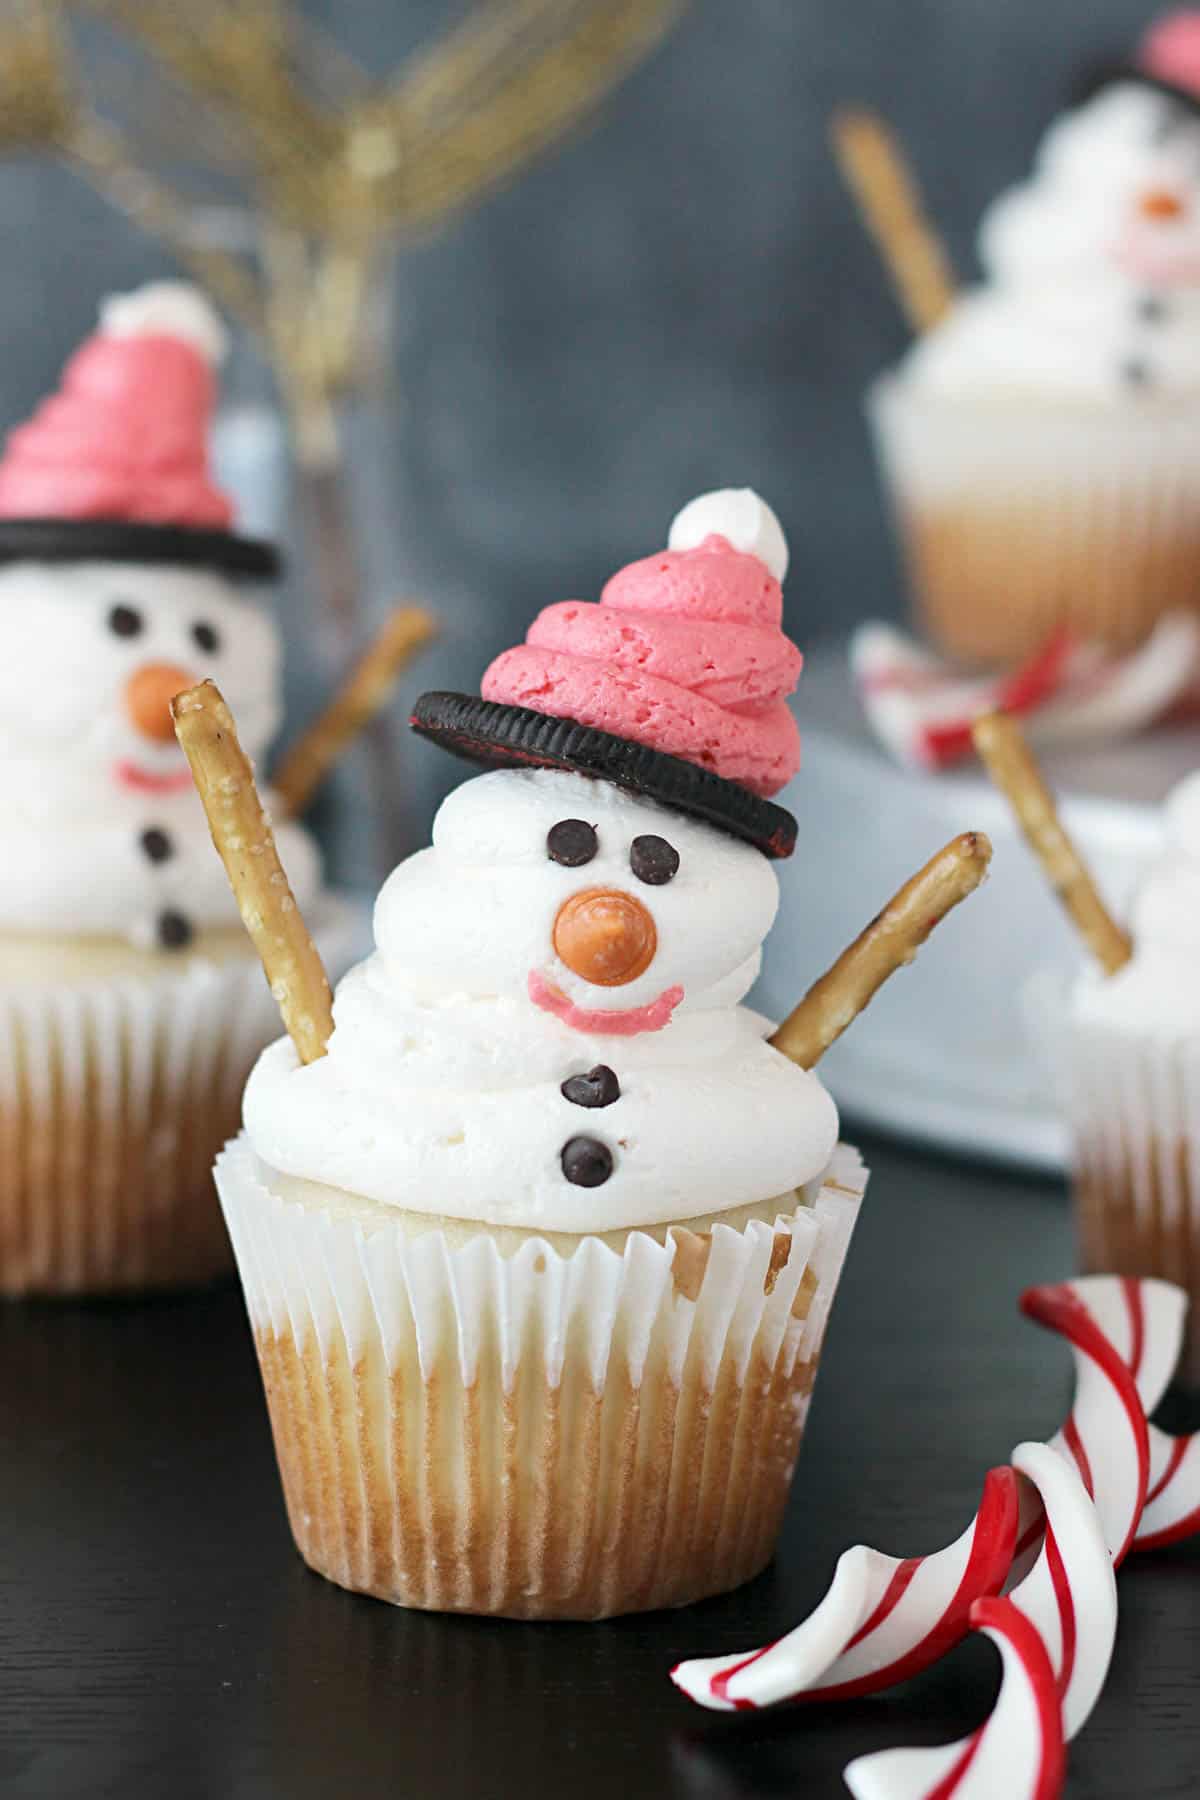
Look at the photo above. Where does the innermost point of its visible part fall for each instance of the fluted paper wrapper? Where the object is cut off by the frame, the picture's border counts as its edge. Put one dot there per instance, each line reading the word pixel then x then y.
pixel 116 1093
pixel 1022 519
pixel 535 1435
pixel 1134 1109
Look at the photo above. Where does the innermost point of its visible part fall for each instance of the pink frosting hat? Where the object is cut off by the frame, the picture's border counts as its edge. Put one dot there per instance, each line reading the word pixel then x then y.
pixel 115 464
pixel 674 683
pixel 1169 54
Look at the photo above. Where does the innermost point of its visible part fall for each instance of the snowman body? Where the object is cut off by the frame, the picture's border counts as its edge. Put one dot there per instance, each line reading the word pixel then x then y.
pixel 1092 266
pixel 101 831
pixel 550 1033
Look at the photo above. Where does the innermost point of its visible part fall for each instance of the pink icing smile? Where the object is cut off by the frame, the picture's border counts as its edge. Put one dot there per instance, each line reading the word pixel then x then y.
pixel 627 1023
pixel 145 781
pixel 684 652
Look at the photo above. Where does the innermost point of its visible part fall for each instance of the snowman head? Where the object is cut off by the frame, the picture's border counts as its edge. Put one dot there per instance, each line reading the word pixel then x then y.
pixel 97 649
pixel 606 910
pixel 118 560
pixel 1117 179
pixel 618 869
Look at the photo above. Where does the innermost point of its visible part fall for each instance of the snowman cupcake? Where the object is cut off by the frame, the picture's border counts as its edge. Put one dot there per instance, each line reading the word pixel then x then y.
pixel 1042 443
pixel 1131 1057
pixel 130 1006
pixel 540 1251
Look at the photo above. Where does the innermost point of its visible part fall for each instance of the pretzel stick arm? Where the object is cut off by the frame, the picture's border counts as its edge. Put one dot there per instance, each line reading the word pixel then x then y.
pixel 877 174
pixel 246 845
pixel 1013 767
pixel 891 940
pixel 365 691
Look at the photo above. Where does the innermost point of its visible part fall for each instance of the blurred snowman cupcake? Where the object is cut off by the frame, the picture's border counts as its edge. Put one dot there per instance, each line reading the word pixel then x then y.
pixel 1042 443
pixel 540 1252
pixel 130 1006
pixel 1131 1059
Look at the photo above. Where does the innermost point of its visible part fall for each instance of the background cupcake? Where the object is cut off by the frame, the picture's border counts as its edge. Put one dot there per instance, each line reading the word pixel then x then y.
pixel 130 1006
pixel 539 1255
pixel 1131 1062
pixel 1042 442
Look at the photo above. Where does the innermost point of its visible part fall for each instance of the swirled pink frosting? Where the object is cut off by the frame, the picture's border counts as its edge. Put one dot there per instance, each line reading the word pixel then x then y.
pixel 125 437
pixel 684 652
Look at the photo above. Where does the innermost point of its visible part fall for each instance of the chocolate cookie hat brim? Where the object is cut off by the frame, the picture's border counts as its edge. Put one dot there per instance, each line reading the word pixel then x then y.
pixel 118 540
pixel 503 736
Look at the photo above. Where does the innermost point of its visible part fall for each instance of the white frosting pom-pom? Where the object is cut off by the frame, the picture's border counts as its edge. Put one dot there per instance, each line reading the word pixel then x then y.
pixel 739 515
pixel 175 309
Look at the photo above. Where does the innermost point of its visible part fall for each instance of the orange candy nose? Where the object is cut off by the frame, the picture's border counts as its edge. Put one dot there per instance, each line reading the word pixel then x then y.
pixel 1161 203
pixel 605 936
pixel 148 696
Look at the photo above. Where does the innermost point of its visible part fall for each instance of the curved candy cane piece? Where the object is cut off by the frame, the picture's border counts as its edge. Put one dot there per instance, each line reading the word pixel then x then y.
pixel 1172 1510
pixel 1157 1310
pixel 1143 1320
pixel 1017 1754
pixel 881 1621
pixel 1070 1594
pixel 1105 1435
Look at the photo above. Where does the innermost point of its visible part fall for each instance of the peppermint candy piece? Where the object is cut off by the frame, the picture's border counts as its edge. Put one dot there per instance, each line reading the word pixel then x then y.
pixel 881 1621
pixel 1018 1754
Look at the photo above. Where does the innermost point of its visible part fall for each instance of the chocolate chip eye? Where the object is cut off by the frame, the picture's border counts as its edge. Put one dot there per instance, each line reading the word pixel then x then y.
pixel 653 860
pixel 572 842
pixel 206 638
pixel 124 621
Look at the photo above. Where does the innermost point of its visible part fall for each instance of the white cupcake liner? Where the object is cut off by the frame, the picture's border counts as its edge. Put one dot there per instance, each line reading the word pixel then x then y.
pixel 115 1095
pixel 1133 1102
pixel 1018 518
pixel 534 1435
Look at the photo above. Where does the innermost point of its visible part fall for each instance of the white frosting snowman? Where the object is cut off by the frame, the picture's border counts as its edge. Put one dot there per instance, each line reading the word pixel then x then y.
pixel 1157 992
pixel 559 930
pixel 101 830
pixel 1092 267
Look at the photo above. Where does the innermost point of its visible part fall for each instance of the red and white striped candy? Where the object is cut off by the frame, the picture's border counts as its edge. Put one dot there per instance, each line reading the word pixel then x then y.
pixel 881 1621
pixel 922 708
pixel 1105 1435
pixel 1017 1755
pixel 1143 1321
pixel 1107 1482
pixel 1070 1594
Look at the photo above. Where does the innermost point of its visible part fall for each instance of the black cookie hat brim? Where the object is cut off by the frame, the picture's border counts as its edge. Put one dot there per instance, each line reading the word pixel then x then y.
pixel 118 540
pixel 501 736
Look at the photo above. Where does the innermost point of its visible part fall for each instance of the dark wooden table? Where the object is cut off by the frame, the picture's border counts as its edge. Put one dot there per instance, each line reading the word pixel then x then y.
pixel 158 1635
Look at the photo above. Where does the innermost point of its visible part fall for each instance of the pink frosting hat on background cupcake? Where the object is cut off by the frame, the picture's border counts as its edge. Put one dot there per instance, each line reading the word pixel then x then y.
pixel 1169 54
pixel 674 684
pixel 115 464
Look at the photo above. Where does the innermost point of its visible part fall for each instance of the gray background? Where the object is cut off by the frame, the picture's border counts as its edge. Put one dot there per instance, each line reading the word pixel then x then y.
pixel 681 297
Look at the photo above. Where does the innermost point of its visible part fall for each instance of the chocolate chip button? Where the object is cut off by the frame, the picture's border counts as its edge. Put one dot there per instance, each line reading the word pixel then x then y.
pixel 586 1162
pixel 1151 309
pixel 572 842
pixel 174 930
pixel 599 1087
pixel 653 860
pixel 1135 372
pixel 156 845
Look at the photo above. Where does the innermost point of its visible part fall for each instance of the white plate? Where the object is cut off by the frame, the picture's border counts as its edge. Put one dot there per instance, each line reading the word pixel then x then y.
pixel 944 1054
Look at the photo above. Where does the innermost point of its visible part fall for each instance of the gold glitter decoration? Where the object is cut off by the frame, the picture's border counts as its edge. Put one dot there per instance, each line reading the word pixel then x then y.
pixel 335 166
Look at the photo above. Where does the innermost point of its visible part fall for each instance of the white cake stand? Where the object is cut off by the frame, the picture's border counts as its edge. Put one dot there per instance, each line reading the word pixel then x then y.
pixel 944 1054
